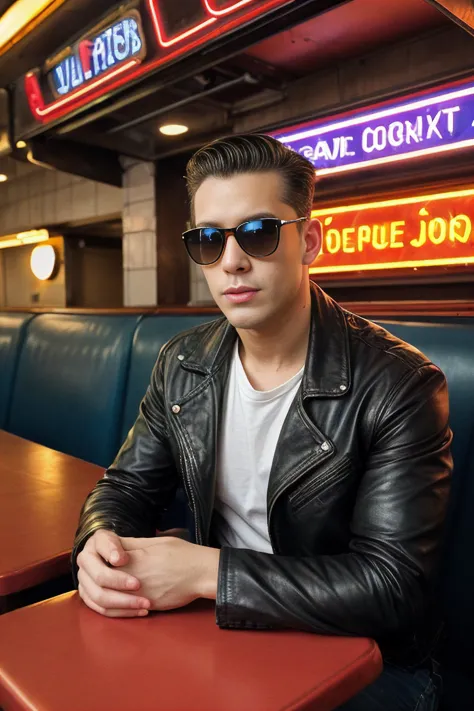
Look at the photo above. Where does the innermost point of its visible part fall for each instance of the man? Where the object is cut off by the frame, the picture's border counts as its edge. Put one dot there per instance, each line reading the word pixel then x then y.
pixel 313 446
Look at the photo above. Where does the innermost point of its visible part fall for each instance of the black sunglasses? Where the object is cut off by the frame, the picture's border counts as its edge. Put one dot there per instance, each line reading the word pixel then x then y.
pixel 258 238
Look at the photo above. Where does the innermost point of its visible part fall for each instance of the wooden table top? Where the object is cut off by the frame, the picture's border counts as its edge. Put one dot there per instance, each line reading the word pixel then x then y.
pixel 59 655
pixel 41 495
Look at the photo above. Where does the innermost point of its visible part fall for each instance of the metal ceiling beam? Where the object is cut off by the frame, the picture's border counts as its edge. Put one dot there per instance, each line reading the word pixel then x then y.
pixel 91 162
pixel 244 79
pixel 460 11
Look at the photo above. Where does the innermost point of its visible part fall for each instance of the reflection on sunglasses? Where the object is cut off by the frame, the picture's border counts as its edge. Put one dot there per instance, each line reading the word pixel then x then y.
pixel 257 238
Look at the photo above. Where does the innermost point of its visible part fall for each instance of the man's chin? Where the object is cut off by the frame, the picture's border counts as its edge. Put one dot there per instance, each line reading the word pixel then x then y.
pixel 244 317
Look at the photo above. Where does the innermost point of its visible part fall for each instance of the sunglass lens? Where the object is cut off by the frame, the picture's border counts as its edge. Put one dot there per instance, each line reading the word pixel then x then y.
pixel 204 244
pixel 259 238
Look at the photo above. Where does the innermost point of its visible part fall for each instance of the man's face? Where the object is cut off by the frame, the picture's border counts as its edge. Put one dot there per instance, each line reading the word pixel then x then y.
pixel 276 282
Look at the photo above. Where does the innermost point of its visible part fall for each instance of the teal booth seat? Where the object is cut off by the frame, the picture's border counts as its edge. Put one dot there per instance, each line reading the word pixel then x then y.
pixel 151 334
pixel 12 332
pixel 70 383
pixel 451 347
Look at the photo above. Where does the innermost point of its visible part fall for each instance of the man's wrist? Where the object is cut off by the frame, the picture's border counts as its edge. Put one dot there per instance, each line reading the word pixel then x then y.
pixel 209 574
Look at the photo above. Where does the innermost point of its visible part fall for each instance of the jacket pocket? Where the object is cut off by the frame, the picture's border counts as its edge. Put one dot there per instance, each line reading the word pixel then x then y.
pixel 319 483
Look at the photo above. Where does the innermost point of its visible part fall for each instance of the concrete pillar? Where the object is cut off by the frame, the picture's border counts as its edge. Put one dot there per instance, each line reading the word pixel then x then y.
pixel 139 234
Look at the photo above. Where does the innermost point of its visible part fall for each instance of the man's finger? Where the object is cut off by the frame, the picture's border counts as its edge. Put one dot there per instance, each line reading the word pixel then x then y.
pixel 108 545
pixel 109 613
pixel 106 577
pixel 111 599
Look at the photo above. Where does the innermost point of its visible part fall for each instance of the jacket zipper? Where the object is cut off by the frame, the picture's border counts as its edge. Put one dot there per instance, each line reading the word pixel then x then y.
pixel 308 492
pixel 187 480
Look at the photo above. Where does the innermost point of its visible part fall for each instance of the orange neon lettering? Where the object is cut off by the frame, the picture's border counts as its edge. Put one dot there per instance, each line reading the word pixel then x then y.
pixel 461 222
pixel 364 234
pixel 437 230
pixel 333 241
pixel 347 246
pixel 379 239
pixel 396 230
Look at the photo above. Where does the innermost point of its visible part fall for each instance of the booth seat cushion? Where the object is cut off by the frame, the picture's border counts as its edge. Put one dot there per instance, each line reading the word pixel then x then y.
pixel 151 334
pixel 70 384
pixel 451 347
pixel 12 332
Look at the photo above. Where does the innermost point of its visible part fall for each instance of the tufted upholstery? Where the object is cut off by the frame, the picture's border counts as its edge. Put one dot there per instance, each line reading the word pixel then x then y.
pixel 70 385
pixel 12 331
pixel 151 334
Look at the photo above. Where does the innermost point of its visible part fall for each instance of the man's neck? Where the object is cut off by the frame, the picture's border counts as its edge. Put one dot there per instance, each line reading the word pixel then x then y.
pixel 271 356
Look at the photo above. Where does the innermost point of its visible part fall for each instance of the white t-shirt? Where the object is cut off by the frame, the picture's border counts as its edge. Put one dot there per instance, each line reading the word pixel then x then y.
pixel 251 426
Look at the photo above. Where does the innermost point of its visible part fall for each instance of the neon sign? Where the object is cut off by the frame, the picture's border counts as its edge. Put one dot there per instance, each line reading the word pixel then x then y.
pixel 179 28
pixel 93 57
pixel 433 123
pixel 424 231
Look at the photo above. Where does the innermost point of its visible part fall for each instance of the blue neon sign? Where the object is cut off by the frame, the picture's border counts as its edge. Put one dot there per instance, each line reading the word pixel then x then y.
pixel 92 57
pixel 436 122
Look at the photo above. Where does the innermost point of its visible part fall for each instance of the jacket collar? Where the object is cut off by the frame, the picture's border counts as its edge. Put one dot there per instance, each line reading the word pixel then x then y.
pixel 327 370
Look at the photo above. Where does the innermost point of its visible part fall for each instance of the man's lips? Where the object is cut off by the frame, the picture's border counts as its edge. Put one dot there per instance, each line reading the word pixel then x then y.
pixel 240 294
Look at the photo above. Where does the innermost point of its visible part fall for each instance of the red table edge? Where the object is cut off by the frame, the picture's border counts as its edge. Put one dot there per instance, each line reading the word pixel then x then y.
pixel 40 571
pixel 371 654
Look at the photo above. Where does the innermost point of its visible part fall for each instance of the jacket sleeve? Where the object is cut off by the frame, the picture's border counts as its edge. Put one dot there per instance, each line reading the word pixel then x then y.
pixel 380 585
pixel 142 480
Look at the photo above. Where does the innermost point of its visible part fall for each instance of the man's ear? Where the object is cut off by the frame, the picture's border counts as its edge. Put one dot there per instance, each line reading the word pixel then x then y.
pixel 313 240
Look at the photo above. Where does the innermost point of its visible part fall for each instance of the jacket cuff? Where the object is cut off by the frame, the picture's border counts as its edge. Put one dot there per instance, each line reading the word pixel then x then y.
pixel 231 611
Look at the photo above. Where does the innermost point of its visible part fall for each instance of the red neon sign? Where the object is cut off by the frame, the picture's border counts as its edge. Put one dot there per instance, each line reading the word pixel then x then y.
pixel 215 19
pixel 413 232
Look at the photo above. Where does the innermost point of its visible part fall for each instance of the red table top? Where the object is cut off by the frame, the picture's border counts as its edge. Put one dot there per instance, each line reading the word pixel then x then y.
pixel 60 655
pixel 41 494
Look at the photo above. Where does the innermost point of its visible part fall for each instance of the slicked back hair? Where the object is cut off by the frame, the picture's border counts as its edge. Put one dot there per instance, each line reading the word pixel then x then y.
pixel 254 153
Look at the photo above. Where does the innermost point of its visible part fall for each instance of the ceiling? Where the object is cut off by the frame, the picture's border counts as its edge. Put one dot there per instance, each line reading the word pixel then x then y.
pixel 347 31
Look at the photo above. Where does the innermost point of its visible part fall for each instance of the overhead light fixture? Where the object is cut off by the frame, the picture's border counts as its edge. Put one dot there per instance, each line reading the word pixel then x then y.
pixel 22 238
pixel 20 15
pixel 173 129
pixel 3 178
pixel 4 243
pixel 33 236
pixel 43 261
pixel 21 144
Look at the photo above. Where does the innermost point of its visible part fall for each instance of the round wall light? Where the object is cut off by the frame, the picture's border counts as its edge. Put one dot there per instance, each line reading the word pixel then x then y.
pixel 3 177
pixel 173 129
pixel 44 262
pixel 21 144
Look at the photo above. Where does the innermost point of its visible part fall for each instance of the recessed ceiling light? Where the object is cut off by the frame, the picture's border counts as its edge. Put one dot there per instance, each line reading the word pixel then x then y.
pixel 3 177
pixel 21 144
pixel 173 129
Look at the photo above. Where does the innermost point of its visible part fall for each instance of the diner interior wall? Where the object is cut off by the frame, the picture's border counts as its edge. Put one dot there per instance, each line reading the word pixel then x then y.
pixel 35 197
pixel 94 276
pixel 22 288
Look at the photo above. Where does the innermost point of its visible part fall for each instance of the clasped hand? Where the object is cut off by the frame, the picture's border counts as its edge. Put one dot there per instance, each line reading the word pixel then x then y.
pixel 144 574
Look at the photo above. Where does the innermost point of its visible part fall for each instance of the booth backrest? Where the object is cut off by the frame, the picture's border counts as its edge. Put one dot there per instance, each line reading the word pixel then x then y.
pixel 70 383
pixel 12 331
pixel 151 334
pixel 451 347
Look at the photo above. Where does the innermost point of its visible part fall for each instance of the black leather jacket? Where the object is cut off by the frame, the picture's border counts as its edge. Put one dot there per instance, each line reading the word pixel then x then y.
pixel 358 487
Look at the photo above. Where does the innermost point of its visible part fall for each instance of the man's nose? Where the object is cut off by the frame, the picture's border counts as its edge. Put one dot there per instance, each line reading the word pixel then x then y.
pixel 234 257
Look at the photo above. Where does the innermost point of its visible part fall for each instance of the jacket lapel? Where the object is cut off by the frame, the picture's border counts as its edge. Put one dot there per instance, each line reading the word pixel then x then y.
pixel 303 445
